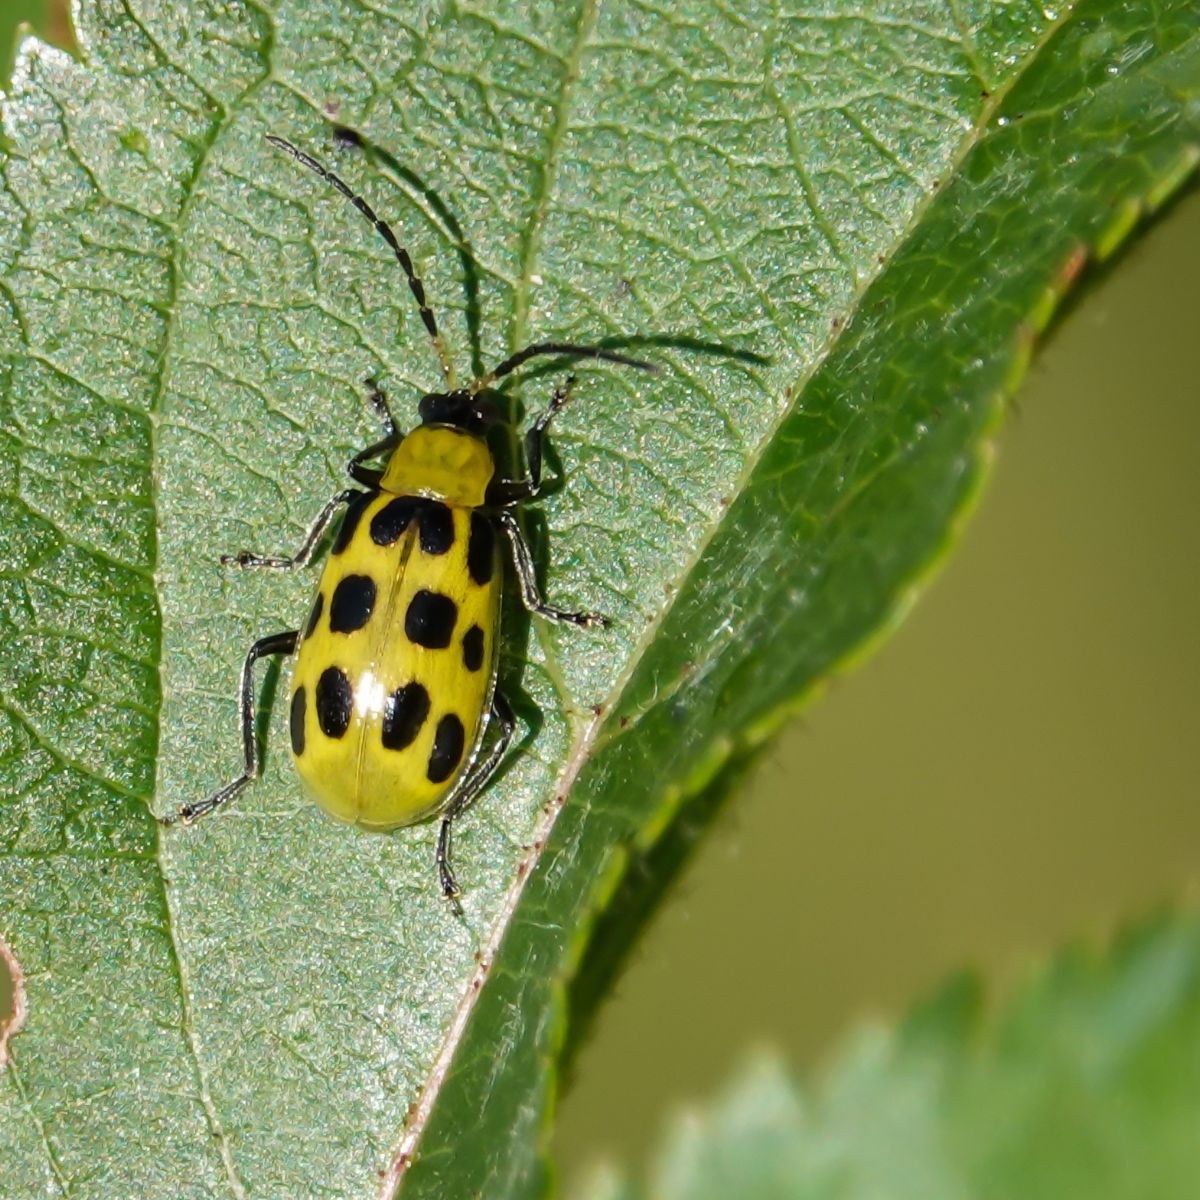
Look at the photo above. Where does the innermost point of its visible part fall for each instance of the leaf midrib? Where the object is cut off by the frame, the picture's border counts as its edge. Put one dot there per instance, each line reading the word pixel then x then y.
pixel 519 334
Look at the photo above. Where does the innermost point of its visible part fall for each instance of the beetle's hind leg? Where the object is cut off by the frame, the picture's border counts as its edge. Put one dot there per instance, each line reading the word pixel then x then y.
pixel 274 644
pixel 468 792
pixel 302 557
pixel 531 593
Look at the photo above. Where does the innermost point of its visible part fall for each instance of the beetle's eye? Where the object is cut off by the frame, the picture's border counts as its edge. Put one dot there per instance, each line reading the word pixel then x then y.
pixel 427 409
pixel 486 411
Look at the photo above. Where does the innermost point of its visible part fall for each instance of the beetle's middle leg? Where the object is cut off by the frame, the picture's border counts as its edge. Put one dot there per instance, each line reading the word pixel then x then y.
pixel 527 584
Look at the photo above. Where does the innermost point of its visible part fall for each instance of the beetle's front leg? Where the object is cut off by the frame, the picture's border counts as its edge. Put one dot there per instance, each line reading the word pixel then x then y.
pixel 377 399
pixel 392 436
pixel 514 491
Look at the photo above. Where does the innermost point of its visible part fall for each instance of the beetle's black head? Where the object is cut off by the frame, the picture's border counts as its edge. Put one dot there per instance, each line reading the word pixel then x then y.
pixel 475 413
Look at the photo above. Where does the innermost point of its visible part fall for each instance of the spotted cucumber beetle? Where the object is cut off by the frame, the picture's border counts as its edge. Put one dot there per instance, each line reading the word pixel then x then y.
pixel 393 692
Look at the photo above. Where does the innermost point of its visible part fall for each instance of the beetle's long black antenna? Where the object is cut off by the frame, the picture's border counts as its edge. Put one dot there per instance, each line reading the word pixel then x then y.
pixel 385 231
pixel 567 349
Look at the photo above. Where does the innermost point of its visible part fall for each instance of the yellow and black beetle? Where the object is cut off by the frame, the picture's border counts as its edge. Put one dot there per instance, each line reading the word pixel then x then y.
pixel 394 691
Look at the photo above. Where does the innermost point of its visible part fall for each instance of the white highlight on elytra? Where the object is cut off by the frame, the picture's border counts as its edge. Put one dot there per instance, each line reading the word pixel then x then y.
pixel 369 695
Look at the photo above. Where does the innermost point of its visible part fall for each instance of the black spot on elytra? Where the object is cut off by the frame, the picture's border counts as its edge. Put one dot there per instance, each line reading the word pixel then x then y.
pixel 335 699
pixel 472 644
pixel 392 520
pixel 353 600
pixel 315 616
pixel 430 619
pixel 481 549
pixel 299 709
pixel 404 713
pixel 448 743
pixel 437 527
pixel 350 521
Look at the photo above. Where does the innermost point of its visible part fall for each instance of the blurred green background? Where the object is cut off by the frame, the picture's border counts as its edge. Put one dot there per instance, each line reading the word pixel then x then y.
pixel 48 17
pixel 1016 767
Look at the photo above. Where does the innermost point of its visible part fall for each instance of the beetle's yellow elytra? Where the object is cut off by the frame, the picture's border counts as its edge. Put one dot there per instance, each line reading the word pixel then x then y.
pixel 395 670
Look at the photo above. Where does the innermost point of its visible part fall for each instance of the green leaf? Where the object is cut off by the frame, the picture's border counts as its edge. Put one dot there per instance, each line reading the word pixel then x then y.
pixel 252 1007
pixel 855 495
pixel 1085 1085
